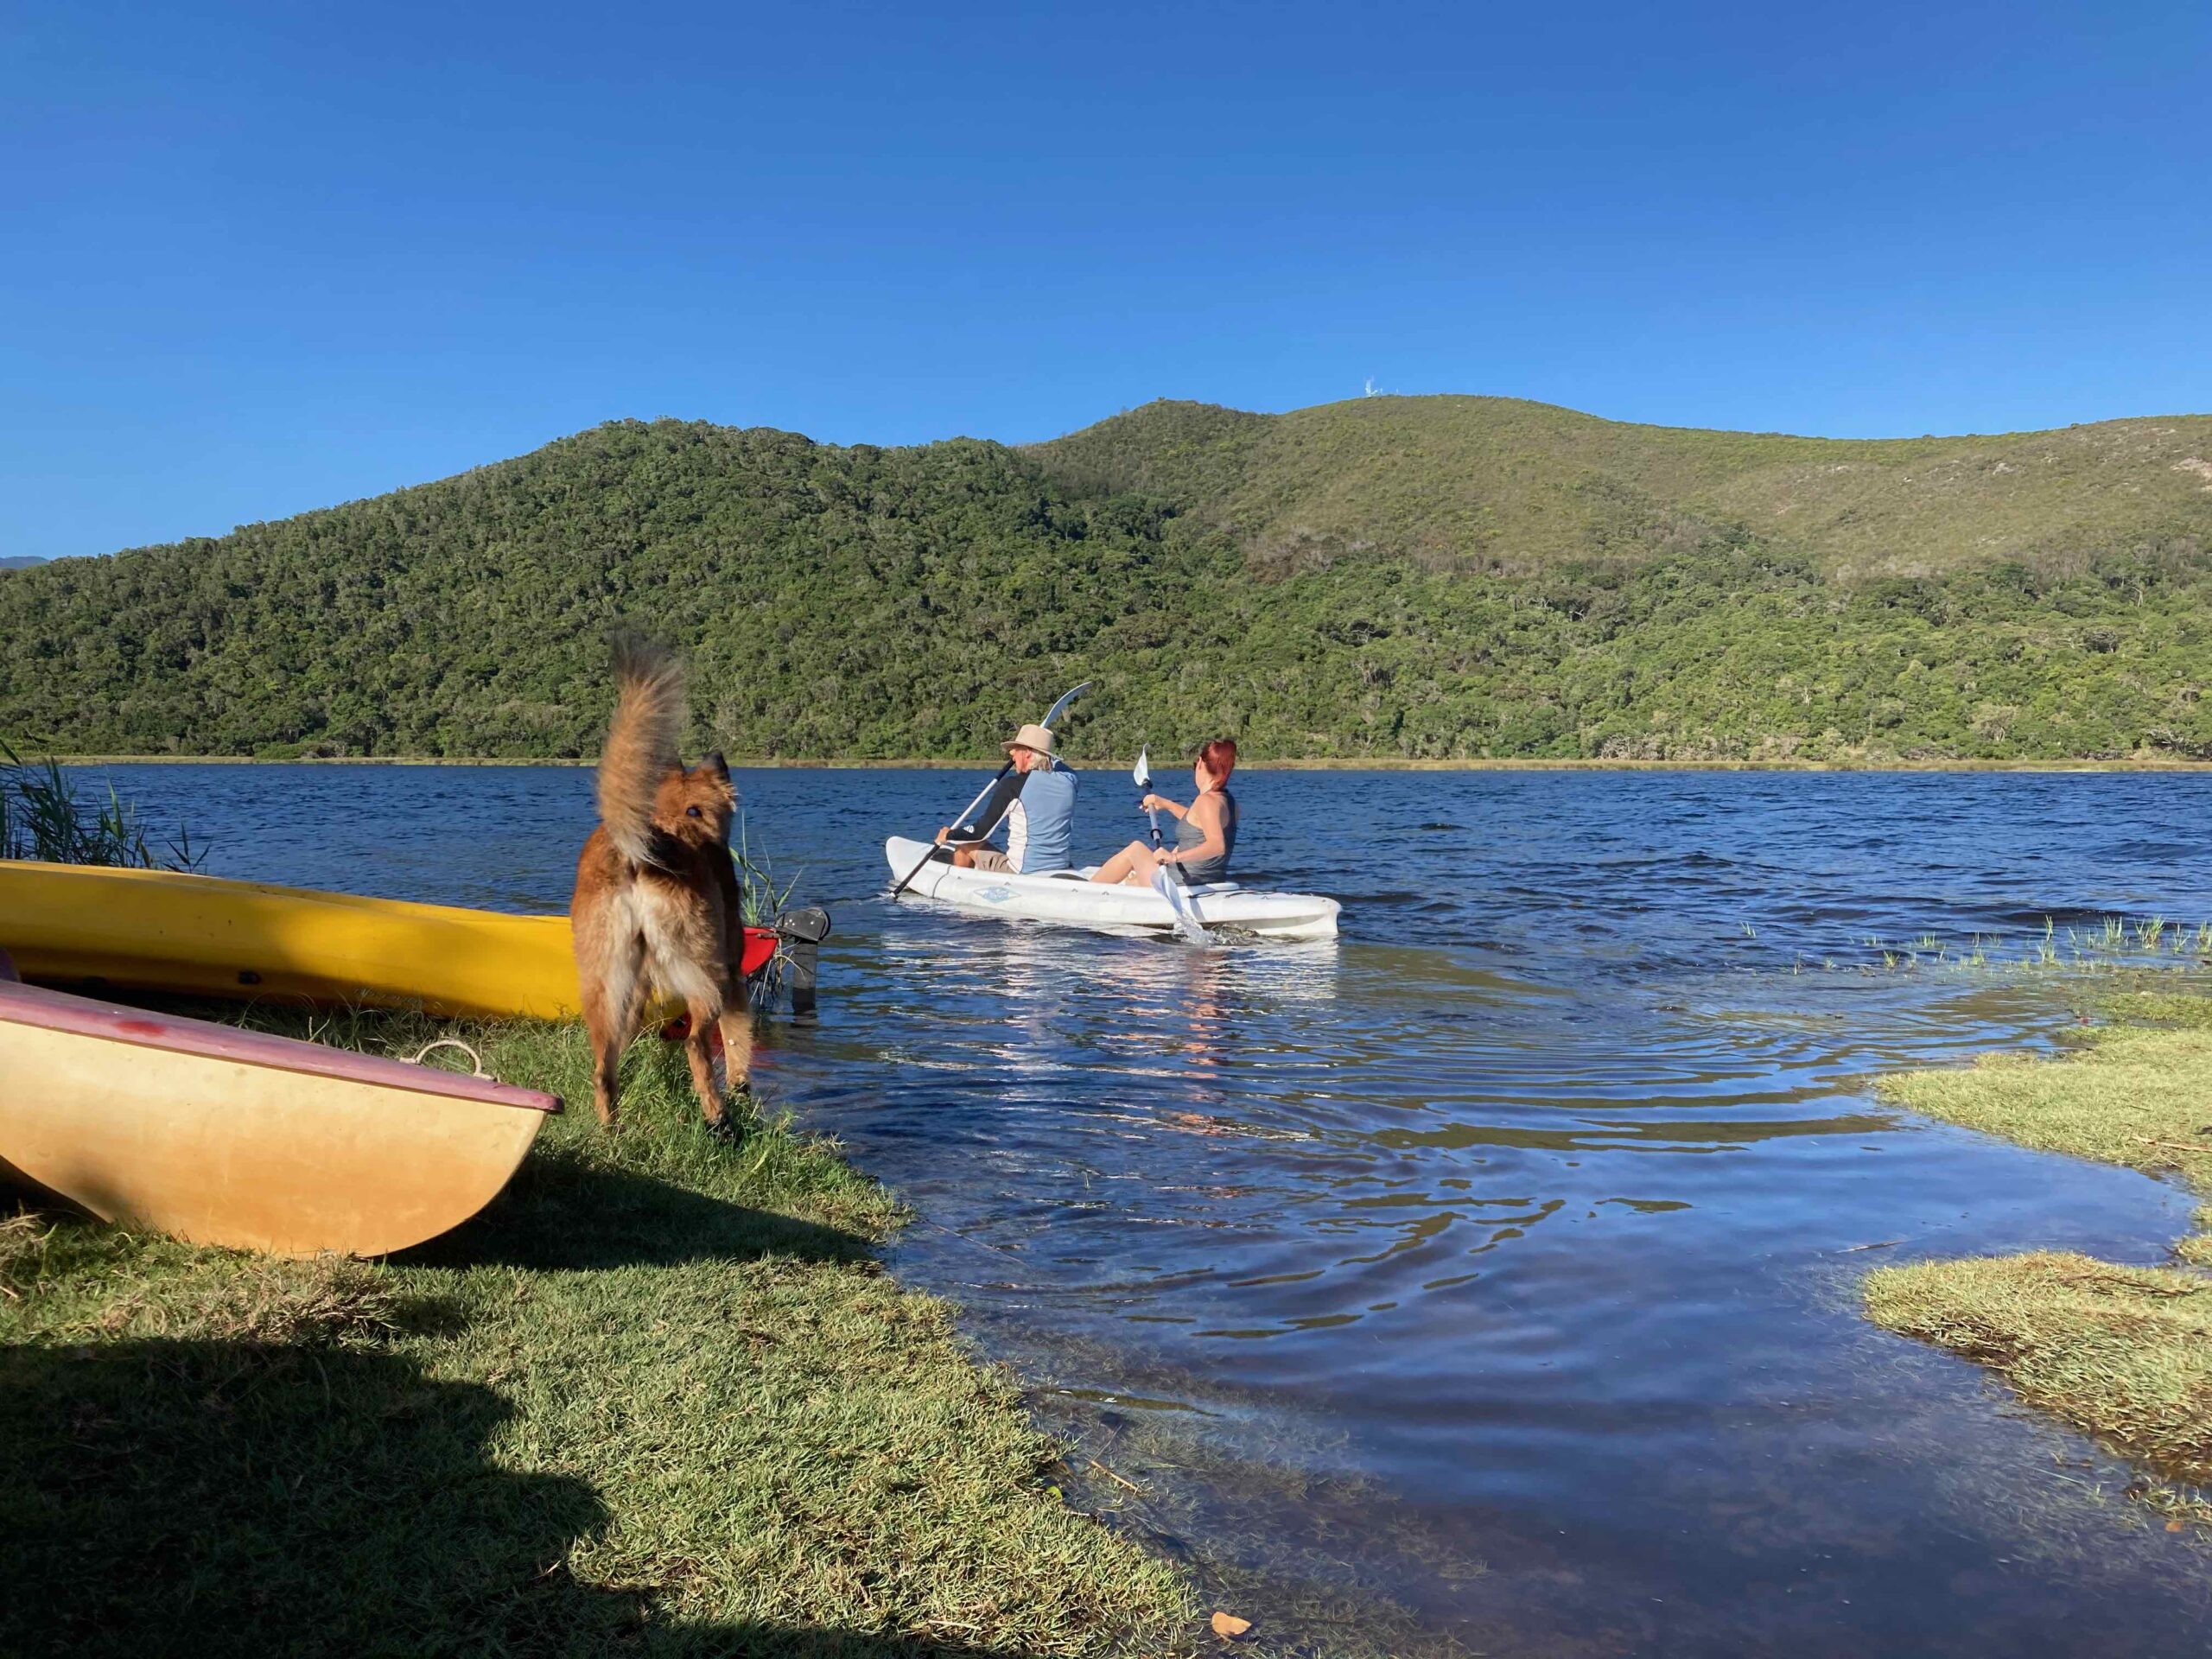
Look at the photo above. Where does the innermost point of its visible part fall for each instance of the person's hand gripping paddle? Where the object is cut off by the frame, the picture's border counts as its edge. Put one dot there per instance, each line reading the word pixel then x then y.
pixel 1051 717
pixel 1188 928
pixel 1140 775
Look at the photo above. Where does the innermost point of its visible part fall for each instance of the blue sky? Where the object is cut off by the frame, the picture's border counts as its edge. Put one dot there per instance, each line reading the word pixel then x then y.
pixel 254 261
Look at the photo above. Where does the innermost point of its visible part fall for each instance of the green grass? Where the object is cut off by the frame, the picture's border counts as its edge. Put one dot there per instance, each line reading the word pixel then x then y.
pixel 2156 1006
pixel 2124 1354
pixel 2135 1097
pixel 2121 1353
pixel 1513 486
pixel 658 1398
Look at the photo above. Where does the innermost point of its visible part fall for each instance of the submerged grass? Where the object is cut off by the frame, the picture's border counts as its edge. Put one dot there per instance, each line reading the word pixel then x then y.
pixel 2122 1353
pixel 2136 1097
pixel 2115 946
pixel 658 1398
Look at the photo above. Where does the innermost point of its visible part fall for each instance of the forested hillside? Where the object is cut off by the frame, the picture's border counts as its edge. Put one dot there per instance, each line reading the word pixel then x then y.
pixel 1427 578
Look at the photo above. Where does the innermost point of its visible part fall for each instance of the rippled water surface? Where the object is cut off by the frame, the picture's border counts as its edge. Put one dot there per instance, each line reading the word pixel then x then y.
pixel 1487 1275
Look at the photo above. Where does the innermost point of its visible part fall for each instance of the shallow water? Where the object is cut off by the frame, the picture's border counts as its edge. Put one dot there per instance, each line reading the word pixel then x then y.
pixel 1487 1275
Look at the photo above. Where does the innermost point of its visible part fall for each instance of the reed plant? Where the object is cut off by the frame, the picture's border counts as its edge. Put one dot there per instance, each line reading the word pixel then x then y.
pixel 42 817
pixel 763 890
pixel 764 893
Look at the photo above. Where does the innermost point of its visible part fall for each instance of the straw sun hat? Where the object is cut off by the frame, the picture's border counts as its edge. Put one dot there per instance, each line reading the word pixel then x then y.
pixel 1031 737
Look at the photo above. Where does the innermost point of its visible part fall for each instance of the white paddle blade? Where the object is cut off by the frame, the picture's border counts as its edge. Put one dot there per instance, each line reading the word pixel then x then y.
pixel 1141 775
pixel 1188 928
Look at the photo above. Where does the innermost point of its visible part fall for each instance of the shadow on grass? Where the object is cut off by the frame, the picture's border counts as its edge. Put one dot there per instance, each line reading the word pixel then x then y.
pixel 170 1496
pixel 166 1496
pixel 561 1212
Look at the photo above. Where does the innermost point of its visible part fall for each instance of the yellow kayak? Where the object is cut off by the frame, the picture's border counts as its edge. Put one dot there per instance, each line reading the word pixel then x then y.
pixel 158 930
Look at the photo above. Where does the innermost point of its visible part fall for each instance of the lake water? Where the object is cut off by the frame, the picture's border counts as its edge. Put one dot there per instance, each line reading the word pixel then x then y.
pixel 1484 1277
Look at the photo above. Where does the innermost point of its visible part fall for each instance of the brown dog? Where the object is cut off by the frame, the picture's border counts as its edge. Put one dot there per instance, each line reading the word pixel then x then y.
pixel 657 900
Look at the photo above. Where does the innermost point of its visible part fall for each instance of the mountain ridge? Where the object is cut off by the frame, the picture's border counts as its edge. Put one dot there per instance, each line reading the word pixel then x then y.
pixel 1420 579
pixel 1509 485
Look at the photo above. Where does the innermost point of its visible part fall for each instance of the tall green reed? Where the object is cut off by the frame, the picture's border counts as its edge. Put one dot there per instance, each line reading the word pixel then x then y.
pixel 41 817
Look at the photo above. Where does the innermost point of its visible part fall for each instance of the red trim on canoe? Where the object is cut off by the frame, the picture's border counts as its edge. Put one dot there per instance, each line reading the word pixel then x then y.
pixel 83 1016
pixel 759 949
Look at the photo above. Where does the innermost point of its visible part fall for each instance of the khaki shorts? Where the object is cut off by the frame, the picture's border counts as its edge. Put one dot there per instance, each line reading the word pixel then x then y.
pixel 989 858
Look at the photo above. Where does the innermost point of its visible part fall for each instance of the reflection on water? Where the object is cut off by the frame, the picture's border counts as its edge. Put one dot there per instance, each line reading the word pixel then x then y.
pixel 1485 1275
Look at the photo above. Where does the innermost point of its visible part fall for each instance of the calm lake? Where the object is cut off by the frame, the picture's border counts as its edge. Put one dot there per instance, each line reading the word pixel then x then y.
pixel 1486 1276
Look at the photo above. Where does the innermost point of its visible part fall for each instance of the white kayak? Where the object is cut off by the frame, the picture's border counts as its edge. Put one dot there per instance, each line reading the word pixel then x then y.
pixel 1068 896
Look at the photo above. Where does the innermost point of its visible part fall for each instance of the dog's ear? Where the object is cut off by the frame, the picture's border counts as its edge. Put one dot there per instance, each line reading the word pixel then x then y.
pixel 717 765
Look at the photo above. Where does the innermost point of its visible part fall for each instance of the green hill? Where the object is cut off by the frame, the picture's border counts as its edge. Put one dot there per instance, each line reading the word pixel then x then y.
pixel 1421 577
pixel 1500 486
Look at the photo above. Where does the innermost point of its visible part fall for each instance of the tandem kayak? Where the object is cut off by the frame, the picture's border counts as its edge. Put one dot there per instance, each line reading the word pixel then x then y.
pixel 1067 896
pixel 243 1139
pixel 79 925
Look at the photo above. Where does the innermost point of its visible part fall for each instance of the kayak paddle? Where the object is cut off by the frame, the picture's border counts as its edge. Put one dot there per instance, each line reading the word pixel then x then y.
pixel 1051 715
pixel 1188 927
pixel 1141 776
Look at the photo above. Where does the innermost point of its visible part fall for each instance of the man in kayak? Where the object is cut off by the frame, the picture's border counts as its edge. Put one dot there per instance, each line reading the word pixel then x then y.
pixel 1036 800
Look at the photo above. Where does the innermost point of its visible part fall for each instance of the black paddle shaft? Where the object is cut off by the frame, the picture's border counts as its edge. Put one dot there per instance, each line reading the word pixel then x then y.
pixel 961 819
pixel 964 811
pixel 1151 813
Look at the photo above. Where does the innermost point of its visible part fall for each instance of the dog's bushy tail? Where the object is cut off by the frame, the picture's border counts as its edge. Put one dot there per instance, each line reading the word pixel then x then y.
pixel 650 712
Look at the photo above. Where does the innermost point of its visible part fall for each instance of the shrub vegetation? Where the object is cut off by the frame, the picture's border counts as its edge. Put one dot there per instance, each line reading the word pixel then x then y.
pixel 1414 578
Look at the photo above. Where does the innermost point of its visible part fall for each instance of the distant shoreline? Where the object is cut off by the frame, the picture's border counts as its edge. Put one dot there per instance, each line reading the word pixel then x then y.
pixel 1357 764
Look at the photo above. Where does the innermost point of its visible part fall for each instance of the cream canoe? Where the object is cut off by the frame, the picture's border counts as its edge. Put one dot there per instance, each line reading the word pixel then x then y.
pixel 232 1137
pixel 1067 897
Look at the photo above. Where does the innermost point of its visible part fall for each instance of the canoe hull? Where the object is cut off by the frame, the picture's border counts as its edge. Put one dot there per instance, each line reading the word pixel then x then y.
pixel 1080 904
pixel 202 936
pixel 240 1139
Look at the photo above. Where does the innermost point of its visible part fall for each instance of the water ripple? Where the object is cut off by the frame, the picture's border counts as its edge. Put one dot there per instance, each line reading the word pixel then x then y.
pixel 1493 1260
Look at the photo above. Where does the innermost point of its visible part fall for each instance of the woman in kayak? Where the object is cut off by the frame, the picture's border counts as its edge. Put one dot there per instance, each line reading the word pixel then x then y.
pixel 1205 831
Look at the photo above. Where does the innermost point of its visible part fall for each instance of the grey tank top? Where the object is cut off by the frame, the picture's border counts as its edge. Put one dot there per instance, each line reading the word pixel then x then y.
pixel 1188 835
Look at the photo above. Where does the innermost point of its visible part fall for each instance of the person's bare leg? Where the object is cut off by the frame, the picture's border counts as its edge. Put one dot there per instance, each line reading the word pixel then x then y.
pixel 1134 863
pixel 1142 866
pixel 1118 866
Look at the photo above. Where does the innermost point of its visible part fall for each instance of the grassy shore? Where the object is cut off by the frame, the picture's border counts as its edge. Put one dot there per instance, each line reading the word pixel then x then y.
pixel 658 1398
pixel 2122 1353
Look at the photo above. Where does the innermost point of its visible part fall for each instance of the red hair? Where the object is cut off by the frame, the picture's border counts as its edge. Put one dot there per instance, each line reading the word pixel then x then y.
pixel 1220 758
